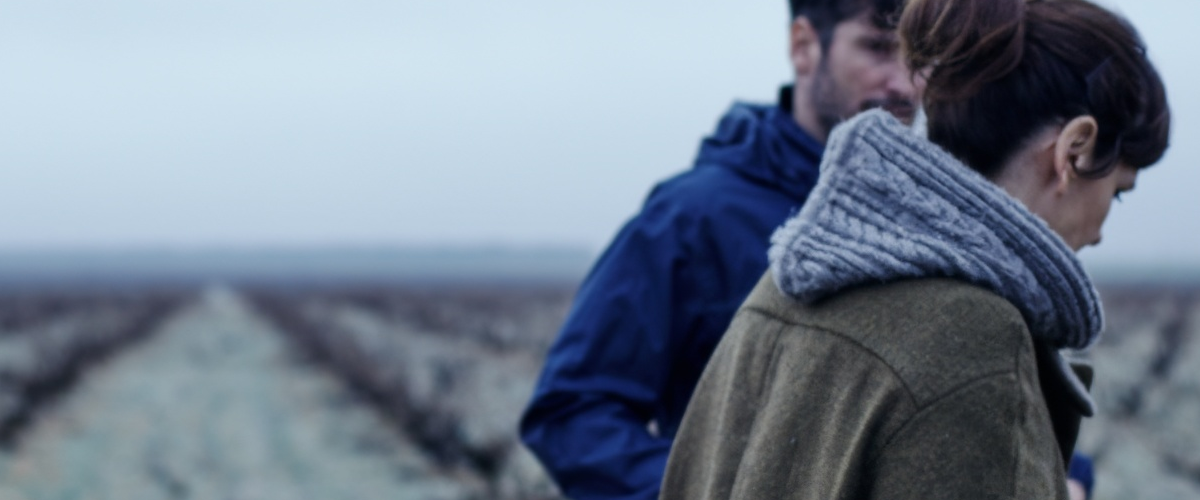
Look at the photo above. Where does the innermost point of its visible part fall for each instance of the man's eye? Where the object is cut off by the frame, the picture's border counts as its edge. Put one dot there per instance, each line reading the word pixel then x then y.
pixel 881 46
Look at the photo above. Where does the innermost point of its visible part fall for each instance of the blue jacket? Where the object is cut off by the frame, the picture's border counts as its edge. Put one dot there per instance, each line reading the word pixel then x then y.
pixel 649 314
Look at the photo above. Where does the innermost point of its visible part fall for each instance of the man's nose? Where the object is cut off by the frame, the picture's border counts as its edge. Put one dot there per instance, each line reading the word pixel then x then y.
pixel 903 82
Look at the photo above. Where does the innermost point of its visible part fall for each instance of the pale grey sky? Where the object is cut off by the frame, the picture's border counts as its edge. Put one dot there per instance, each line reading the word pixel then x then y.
pixel 238 123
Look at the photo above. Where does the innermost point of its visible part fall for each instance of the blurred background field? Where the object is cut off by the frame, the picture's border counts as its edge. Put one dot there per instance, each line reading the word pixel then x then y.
pixel 307 249
pixel 1146 437
pixel 198 378
pixel 287 376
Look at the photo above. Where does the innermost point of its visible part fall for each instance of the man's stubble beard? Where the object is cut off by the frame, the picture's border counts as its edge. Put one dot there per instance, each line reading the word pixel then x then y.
pixel 826 100
pixel 832 108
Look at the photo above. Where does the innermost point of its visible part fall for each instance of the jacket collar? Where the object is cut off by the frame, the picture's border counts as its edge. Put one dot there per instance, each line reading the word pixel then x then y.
pixel 766 145
pixel 1065 388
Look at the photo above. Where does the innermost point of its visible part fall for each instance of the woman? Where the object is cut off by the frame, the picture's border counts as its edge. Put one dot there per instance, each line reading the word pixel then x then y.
pixel 905 343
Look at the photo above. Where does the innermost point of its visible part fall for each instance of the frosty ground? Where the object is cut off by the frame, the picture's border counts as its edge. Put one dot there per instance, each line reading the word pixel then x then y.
pixel 354 391
pixel 215 405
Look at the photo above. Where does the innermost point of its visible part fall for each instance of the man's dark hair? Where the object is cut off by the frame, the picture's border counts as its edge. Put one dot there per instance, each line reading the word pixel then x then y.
pixel 825 15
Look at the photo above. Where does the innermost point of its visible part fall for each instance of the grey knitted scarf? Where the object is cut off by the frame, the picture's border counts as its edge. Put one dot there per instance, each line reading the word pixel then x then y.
pixel 891 205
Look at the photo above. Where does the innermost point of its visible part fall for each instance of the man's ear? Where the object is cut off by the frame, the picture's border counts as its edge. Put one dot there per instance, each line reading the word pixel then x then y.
pixel 1075 149
pixel 804 47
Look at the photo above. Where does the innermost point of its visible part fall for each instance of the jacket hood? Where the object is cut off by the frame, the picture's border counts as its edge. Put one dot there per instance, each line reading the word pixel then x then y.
pixel 765 144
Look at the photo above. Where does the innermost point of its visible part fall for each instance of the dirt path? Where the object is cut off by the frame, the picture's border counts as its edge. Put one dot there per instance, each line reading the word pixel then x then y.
pixel 214 407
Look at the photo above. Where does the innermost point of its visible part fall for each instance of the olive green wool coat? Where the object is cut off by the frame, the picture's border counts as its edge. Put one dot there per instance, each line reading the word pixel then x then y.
pixel 920 389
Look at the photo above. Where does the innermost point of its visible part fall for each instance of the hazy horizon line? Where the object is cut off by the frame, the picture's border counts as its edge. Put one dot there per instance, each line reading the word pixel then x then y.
pixel 500 262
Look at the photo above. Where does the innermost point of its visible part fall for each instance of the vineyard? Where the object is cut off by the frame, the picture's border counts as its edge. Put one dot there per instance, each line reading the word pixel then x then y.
pixel 451 368
pixel 1146 437
pixel 48 339
pixel 355 391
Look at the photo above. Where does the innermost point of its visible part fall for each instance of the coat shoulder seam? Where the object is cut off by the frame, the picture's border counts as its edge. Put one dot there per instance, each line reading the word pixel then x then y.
pixel 845 338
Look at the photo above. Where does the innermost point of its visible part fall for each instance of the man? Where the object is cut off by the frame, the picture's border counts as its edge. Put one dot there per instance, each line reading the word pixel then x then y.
pixel 652 309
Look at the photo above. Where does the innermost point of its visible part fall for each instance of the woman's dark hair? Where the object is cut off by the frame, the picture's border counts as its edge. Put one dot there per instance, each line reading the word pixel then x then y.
pixel 1000 70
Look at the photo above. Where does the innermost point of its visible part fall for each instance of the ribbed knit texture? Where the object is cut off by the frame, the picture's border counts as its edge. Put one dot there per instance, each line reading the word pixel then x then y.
pixel 891 205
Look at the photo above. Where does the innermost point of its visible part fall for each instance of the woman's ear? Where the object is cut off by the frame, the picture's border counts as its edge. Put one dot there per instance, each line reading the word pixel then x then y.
pixel 804 47
pixel 1075 149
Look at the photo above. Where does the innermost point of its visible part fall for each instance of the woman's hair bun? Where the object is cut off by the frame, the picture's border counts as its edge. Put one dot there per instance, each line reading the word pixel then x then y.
pixel 961 45
pixel 998 71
